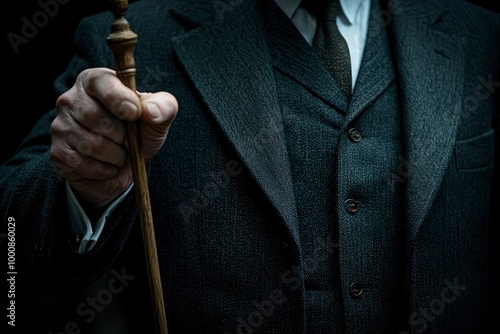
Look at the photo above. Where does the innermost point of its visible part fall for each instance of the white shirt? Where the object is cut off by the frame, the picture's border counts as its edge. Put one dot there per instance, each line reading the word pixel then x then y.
pixel 80 225
pixel 353 25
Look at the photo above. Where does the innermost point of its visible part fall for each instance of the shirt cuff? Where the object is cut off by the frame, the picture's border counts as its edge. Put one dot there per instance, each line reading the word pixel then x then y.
pixel 80 225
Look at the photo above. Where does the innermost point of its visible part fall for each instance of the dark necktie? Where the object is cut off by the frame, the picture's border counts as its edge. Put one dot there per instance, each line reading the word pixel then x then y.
pixel 329 43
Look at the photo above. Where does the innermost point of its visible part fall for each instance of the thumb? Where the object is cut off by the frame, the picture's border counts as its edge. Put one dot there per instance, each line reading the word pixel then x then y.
pixel 158 109
pixel 158 113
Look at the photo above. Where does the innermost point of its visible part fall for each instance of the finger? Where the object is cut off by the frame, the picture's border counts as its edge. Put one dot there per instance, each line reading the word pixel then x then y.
pixel 67 132
pixel 98 147
pixel 104 85
pixel 158 108
pixel 91 114
pixel 74 166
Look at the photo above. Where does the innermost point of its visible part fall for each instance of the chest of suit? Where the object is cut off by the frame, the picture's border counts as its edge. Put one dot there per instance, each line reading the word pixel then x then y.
pixel 344 160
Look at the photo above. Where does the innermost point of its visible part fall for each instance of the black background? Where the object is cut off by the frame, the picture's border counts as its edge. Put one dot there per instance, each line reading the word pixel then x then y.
pixel 32 69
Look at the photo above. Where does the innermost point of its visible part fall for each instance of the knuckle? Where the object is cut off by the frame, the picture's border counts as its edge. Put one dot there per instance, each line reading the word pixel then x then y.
pixel 55 154
pixel 63 101
pixel 56 127
pixel 89 75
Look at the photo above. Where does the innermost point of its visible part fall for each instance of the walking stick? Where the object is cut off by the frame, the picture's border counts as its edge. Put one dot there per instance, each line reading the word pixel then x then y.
pixel 122 41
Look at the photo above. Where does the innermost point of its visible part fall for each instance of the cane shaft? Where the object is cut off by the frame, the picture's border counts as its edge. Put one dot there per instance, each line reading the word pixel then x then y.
pixel 122 41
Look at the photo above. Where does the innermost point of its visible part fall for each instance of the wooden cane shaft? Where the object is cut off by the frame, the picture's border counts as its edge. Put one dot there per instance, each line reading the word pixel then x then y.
pixel 147 228
pixel 122 41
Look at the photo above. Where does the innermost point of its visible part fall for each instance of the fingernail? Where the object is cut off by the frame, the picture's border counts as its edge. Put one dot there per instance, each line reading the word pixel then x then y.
pixel 127 107
pixel 153 109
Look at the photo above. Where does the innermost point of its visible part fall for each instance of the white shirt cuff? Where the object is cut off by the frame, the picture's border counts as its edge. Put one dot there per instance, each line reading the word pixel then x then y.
pixel 80 223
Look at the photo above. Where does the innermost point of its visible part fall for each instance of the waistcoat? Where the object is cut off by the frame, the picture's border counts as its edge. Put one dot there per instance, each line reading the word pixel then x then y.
pixel 343 157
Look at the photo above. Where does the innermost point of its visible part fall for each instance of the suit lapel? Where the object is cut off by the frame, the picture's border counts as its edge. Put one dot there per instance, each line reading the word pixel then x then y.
pixel 229 63
pixel 430 67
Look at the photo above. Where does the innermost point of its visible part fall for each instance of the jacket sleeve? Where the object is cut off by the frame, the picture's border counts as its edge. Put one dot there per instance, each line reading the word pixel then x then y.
pixel 33 195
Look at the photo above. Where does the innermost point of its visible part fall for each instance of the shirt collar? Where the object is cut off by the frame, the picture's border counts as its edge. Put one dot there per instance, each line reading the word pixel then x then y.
pixel 349 7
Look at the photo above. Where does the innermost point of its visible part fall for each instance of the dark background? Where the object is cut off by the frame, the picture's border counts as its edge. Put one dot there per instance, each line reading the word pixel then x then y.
pixel 31 71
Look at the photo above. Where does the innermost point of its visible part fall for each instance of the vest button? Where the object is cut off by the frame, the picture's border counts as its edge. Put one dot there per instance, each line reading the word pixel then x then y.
pixel 356 290
pixel 354 135
pixel 352 206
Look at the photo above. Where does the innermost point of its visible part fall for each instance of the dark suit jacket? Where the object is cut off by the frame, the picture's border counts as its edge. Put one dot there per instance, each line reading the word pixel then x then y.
pixel 221 189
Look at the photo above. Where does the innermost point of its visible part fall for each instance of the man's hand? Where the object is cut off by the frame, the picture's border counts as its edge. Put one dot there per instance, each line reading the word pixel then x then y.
pixel 88 135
